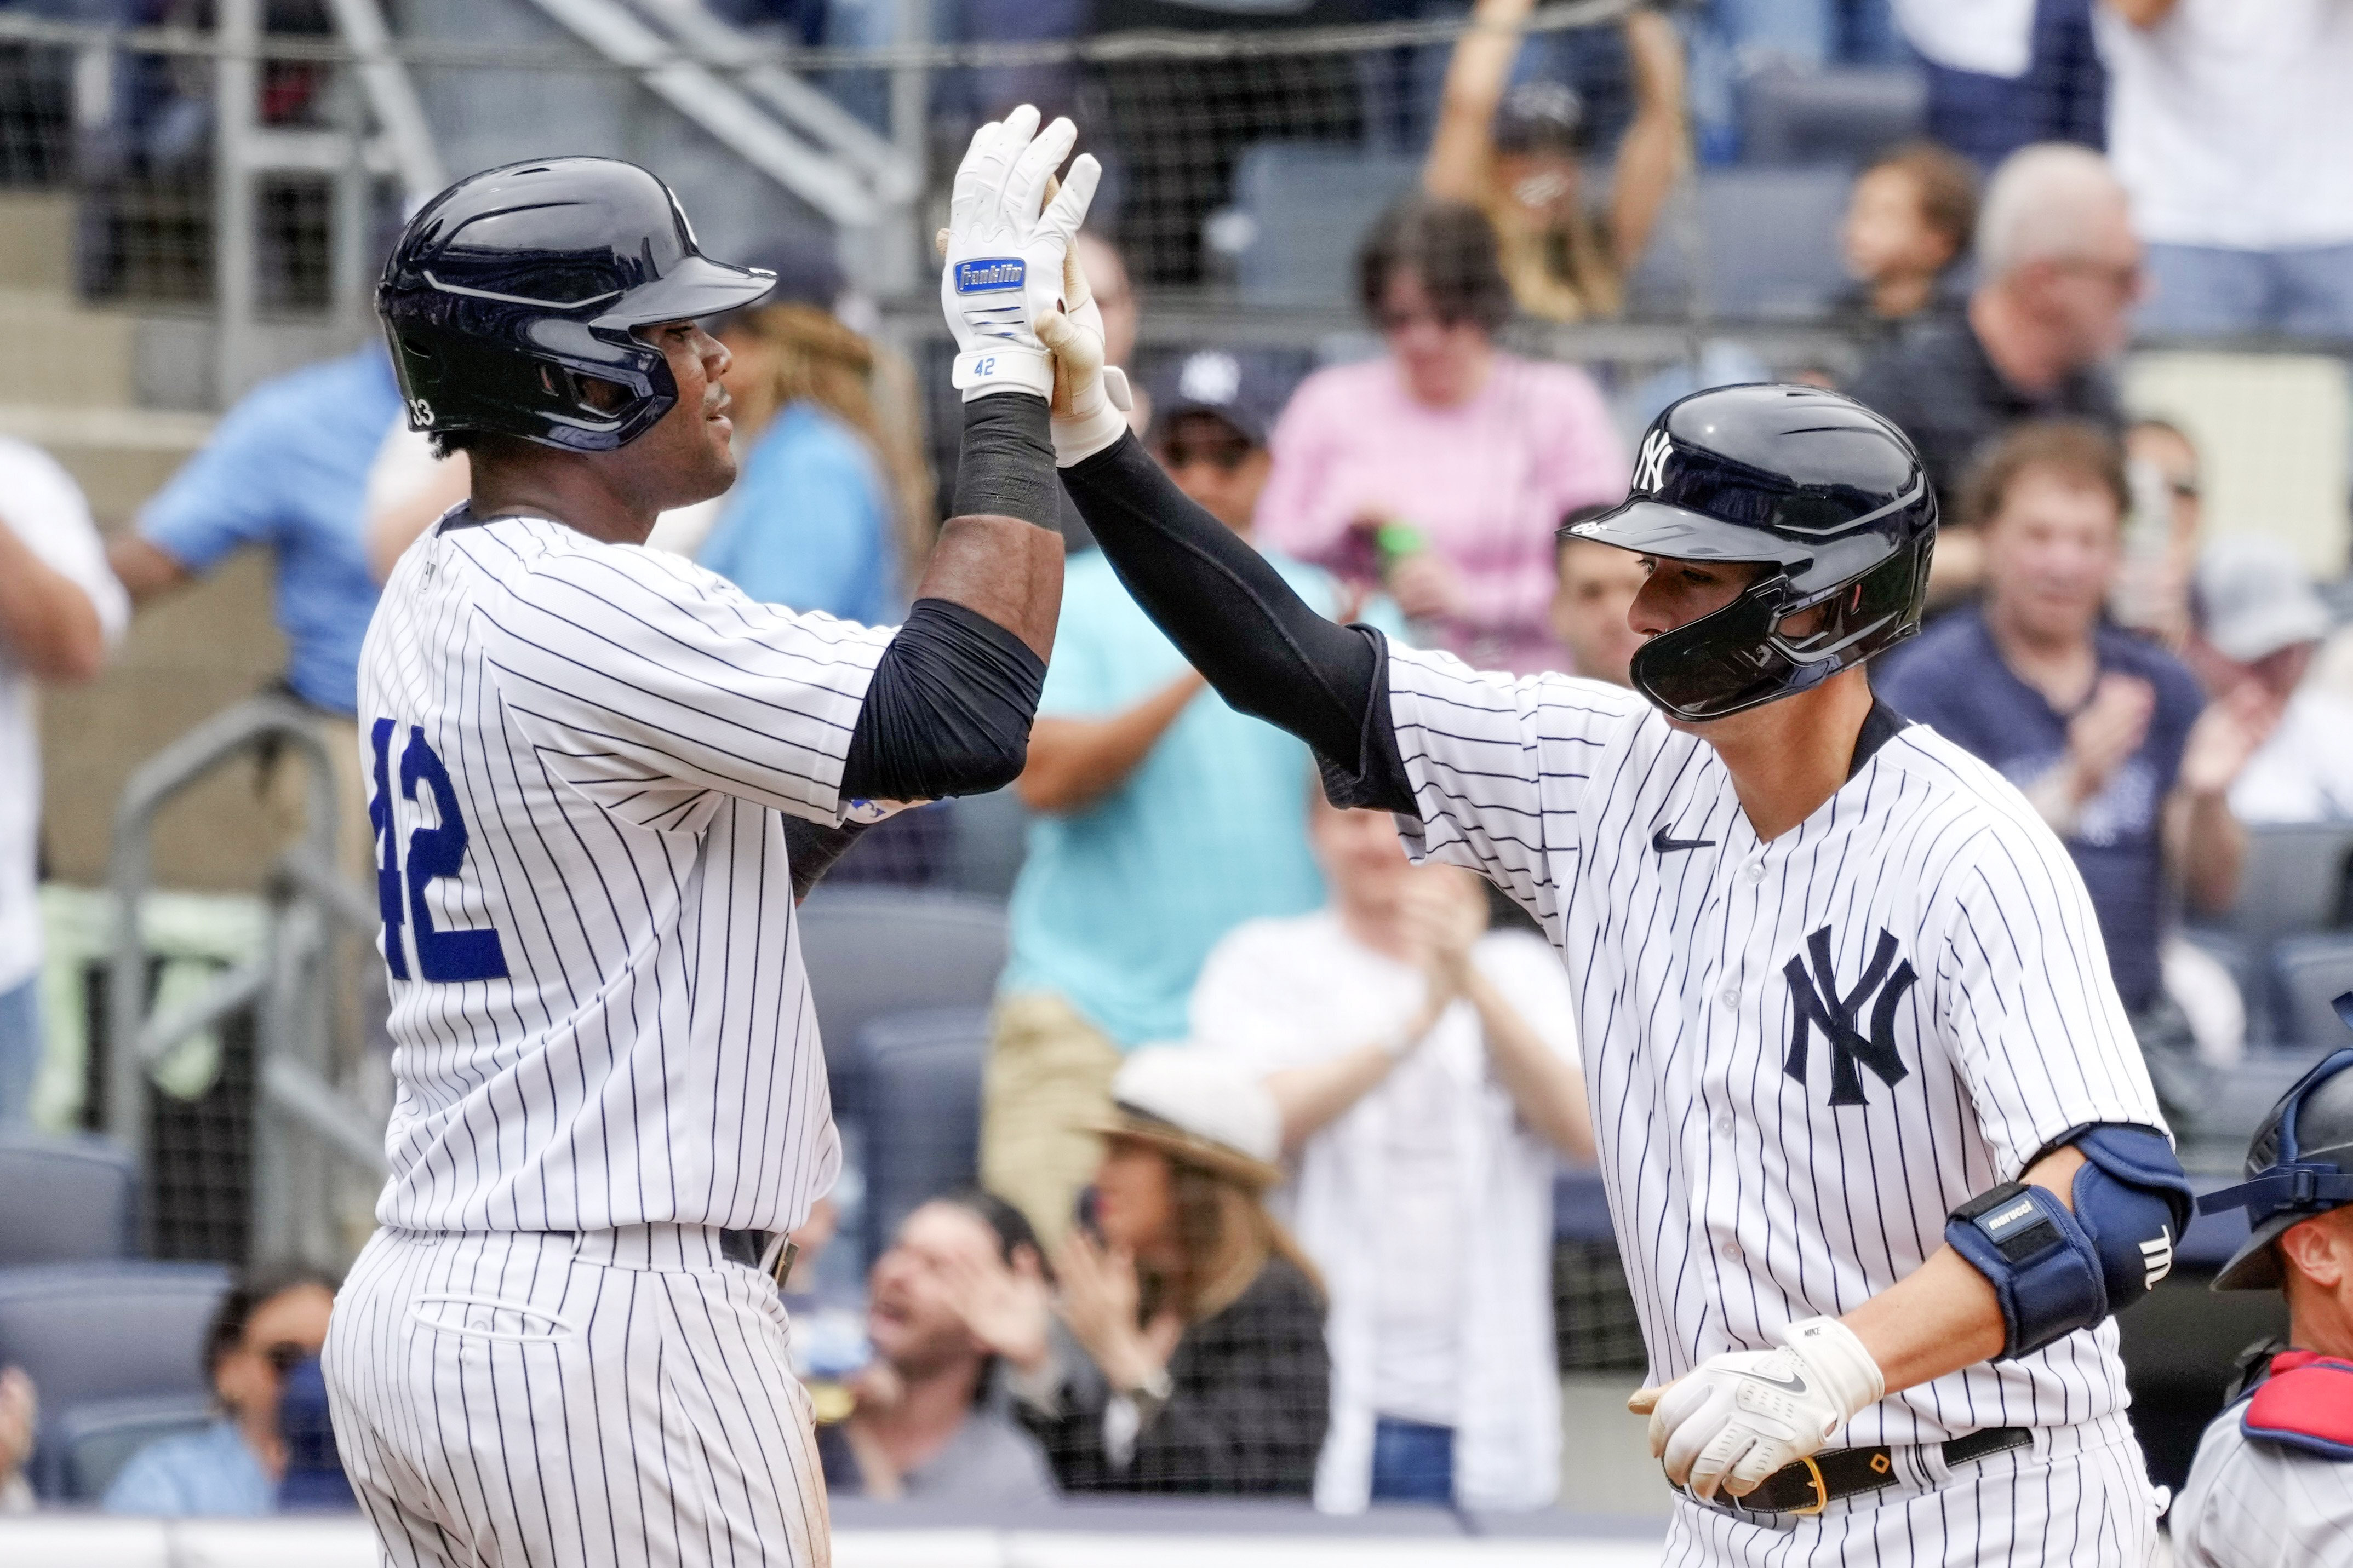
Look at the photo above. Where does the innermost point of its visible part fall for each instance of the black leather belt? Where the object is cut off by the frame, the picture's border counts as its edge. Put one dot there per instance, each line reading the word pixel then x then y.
pixel 1813 1484
pixel 743 1246
pixel 749 1246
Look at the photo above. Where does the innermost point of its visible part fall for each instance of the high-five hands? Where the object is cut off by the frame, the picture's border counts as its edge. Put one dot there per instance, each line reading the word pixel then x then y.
pixel 1091 398
pixel 1009 251
pixel 1736 1418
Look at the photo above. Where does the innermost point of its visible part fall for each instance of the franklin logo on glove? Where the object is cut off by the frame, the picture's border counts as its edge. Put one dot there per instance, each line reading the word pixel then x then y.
pixel 991 275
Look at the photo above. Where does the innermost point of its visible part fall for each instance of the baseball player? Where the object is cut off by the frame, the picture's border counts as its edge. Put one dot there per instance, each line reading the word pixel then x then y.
pixel 600 775
pixel 2273 1479
pixel 1878 1143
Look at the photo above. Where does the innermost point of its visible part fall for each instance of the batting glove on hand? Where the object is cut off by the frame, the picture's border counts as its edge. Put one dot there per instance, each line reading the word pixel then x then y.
pixel 1005 258
pixel 1736 1418
pixel 1091 398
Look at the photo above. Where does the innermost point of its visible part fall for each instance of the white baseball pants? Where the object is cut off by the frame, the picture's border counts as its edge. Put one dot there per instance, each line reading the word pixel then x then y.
pixel 595 1399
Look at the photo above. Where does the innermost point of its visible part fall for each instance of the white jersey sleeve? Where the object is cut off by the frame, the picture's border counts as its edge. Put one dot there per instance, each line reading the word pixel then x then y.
pixel 1501 767
pixel 655 688
pixel 2029 1014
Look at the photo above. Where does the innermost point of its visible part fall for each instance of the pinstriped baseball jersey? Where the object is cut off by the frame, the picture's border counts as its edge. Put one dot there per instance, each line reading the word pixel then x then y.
pixel 1801 1055
pixel 581 754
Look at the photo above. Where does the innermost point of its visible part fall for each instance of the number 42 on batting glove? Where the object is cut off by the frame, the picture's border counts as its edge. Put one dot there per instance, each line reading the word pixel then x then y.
pixel 1007 249
pixel 1736 1418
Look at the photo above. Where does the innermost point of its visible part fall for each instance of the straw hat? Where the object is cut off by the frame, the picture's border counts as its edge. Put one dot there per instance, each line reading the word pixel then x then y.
pixel 1199 1108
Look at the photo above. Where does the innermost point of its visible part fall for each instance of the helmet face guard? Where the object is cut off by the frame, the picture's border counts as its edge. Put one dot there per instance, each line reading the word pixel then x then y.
pixel 2284 1185
pixel 1744 654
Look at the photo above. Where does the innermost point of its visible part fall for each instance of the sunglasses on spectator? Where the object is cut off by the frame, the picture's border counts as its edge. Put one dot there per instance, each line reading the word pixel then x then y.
pixel 1225 453
pixel 286 1355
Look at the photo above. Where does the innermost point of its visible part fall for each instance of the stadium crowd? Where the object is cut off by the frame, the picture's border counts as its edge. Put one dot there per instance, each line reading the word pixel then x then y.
pixel 1271 1117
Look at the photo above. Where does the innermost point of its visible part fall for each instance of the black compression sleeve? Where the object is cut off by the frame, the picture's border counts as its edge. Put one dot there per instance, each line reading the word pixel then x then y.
pixel 1242 627
pixel 1006 468
pixel 949 708
pixel 812 849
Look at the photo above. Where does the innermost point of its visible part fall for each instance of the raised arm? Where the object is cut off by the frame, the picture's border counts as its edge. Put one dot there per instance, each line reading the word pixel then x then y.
pixel 1463 148
pixel 1650 155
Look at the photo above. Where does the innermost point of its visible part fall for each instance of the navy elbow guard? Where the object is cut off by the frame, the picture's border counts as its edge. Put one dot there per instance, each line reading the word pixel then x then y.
pixel 2054 1270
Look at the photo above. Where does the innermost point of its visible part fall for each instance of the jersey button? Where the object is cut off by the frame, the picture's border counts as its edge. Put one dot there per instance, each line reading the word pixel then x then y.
pixel 1724 1124
pixel 1754 870
pixel 1729 996
pixel 1730 1251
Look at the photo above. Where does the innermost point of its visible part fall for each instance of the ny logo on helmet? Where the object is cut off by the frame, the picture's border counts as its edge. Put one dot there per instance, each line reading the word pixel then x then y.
pixel 1815 1003
pixel 1650 468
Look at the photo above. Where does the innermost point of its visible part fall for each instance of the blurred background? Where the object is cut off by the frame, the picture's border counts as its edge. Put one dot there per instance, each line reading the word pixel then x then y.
pixel 1404 283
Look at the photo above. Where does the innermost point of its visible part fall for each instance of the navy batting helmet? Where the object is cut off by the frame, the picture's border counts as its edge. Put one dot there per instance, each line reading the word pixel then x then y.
pixel 2300 1164
pixel 1827 496
pixel 512 285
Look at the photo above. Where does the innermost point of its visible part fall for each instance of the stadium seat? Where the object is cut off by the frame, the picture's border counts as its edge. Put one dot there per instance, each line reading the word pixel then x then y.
pixel 2295 880
pixel 1299 211
pixel 991 836
pixel 89 1332
pixel 923 1110
pixel 94 1439
pixel 1843 116
pixel 872 951
pixel 2310 972
pixel 65 1200
pixel 1767 239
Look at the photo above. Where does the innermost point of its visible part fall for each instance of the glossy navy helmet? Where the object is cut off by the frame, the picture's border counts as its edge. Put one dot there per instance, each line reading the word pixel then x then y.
pixel 1827 496
pixel 2300 1164
pixel 512 286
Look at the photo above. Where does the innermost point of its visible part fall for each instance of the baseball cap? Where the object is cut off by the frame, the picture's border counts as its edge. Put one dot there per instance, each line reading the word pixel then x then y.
pixel 1244 389
pixel 1199 1108
pixel 2255 597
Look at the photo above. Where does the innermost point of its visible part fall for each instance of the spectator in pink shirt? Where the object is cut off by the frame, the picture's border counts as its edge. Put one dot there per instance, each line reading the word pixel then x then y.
pixel 1443 467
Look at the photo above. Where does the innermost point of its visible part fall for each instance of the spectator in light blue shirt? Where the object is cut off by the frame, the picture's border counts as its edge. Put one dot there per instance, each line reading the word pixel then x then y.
pixel 261 1330
pixel 813 521
pixel 288 471
pixel 1165 819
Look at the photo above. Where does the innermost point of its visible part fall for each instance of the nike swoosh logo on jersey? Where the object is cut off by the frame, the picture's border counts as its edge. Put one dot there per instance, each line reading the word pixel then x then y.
pixel 1664 845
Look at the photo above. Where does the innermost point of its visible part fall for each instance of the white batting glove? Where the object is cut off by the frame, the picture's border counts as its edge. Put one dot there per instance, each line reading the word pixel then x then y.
pixel 1005 258
pixel 1091 398
pixel 1736 1418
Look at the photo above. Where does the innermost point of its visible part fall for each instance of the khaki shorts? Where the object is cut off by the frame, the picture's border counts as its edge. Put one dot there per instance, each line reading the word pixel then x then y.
pixel 1049 1078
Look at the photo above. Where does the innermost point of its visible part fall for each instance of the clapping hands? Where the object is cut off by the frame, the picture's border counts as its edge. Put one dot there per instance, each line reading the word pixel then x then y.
pixel 1098 1302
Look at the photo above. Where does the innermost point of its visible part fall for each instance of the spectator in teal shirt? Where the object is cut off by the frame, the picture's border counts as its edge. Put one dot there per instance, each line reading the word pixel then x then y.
pixel 1164 819
pixel 286 470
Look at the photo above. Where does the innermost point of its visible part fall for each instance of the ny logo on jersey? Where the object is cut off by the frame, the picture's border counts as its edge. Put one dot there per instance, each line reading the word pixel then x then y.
pixel 1650 468
pixel 1815 1002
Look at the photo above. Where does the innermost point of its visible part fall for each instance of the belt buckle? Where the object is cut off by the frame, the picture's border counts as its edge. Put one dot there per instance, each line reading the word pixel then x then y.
pixel 1821 1490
